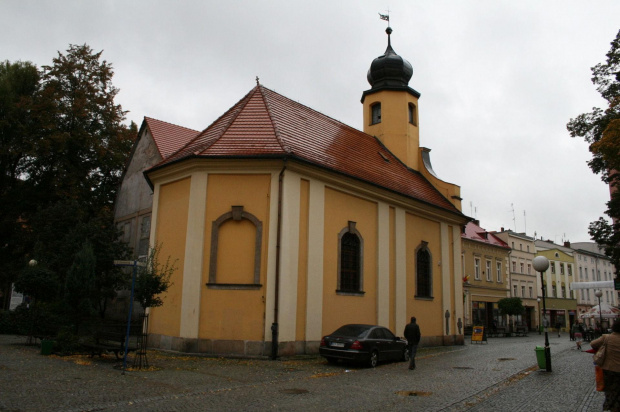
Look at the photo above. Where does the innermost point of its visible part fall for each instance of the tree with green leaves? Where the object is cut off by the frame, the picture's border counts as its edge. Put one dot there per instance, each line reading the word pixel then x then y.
pixel 71 145
pixel 84 143
pixel 511 306
pixel 79 290
pixel 601 128
pixel 19 85
pixel 153 279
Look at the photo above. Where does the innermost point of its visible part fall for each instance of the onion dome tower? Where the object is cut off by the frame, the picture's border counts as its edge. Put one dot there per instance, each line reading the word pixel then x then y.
pixel 391 106
pixel 389 70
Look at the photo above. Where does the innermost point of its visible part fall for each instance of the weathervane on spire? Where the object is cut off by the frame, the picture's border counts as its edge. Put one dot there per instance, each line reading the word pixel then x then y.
pixel 385 16
pixel 257 81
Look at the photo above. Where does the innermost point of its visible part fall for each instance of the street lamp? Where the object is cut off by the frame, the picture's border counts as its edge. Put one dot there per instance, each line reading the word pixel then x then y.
pixel 541 264
pixel 539 316
pixel 598 294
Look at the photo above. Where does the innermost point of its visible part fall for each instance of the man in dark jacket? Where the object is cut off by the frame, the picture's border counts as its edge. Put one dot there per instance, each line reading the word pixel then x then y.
pixel 412 334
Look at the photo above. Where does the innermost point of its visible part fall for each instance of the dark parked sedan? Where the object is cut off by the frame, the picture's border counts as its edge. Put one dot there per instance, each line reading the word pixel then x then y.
pixel 363 343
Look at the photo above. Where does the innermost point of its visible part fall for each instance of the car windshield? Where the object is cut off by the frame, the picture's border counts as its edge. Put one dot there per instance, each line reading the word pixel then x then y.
pixel 355 331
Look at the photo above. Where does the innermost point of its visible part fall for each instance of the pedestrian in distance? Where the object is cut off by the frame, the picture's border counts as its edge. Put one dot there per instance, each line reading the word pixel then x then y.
pixel 412 334
pixel 578 335
pixel 611 366
pixel 558 326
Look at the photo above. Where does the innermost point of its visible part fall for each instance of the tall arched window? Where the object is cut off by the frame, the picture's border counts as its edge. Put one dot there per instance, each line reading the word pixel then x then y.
pixel 424 275
pixel 350 258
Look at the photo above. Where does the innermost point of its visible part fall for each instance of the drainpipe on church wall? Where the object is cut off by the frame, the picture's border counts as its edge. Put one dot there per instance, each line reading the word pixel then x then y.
pixel 274 325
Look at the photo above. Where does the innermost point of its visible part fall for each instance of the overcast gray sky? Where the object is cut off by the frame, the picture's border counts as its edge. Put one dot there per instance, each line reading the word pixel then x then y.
pixel 499 79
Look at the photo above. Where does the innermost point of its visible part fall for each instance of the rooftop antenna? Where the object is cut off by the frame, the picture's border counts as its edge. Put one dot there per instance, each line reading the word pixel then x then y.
pixel 524 223
pixel 514 219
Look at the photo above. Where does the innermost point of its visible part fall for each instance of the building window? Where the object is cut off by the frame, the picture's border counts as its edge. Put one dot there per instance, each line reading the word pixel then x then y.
pixel 554 291
pixel 376 113
pixel 514 290
pixel 552 265
pixel 523 291
pixel 424 275
pixel 477 268
pixel 570 269
pixel 520 246
pixel 514 266
pixel 489 274
pixel 350 260
pixel 561 268
pixel 563 292
pixel 413 114
pixel 580 273
pixel 531 292
pixel 499 272
pixel 529 269
pixel 528 248
pixel 522 267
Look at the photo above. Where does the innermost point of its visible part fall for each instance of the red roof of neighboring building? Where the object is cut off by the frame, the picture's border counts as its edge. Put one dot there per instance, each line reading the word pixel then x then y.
pixel 169 137
pixel 478 234
pixel 265 124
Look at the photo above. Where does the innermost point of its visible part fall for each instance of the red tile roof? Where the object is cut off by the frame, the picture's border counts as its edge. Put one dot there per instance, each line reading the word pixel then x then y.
pixel 265 124
pixel 478 234
pixel 169 137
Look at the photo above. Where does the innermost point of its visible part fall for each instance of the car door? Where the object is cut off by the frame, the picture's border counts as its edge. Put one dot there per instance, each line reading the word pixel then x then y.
pixel 375 341
pixel 391 346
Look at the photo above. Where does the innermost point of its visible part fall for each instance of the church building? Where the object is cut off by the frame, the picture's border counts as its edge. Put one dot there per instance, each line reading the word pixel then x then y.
pixel 287 224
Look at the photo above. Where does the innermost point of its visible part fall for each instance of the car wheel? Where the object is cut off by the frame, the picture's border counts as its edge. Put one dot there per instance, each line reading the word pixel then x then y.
pixel 405 357
pixel 333 361
pixel 374 359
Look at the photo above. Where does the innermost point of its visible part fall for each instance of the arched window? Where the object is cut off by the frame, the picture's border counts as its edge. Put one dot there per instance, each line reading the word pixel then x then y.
pixel 424 275
pixel 350 258
pixel 376 113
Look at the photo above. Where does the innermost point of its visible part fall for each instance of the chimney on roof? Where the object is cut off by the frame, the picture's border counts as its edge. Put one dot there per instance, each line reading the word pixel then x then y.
pixel 476 222
pixel 566 244
pixel 502 229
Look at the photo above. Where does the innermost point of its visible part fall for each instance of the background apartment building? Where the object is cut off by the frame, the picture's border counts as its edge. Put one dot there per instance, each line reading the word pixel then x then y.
pixel 593 266
pixel 522 278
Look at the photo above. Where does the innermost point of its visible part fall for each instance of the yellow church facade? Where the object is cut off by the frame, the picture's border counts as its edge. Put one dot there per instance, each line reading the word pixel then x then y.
pixel 286 224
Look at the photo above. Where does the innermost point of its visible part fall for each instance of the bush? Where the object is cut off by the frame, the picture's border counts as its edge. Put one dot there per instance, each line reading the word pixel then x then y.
pixel 67 342
pixel 7 323
pixel 38 320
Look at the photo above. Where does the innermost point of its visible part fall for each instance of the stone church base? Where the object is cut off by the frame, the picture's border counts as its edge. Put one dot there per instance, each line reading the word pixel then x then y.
pixel 247 348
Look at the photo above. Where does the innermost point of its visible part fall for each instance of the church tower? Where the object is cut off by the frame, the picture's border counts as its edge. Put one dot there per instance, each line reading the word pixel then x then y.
pixel 391 106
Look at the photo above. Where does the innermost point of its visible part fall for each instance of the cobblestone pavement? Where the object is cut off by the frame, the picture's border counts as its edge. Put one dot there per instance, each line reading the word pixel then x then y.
pixel 494 376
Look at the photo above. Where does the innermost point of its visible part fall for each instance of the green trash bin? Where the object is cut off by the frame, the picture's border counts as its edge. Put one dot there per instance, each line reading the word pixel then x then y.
pixel 540 357
pixel 46 346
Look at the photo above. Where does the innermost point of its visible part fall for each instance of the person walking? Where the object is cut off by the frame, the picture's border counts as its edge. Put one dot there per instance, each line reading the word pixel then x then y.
pixel 611 366
pixel 412 334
